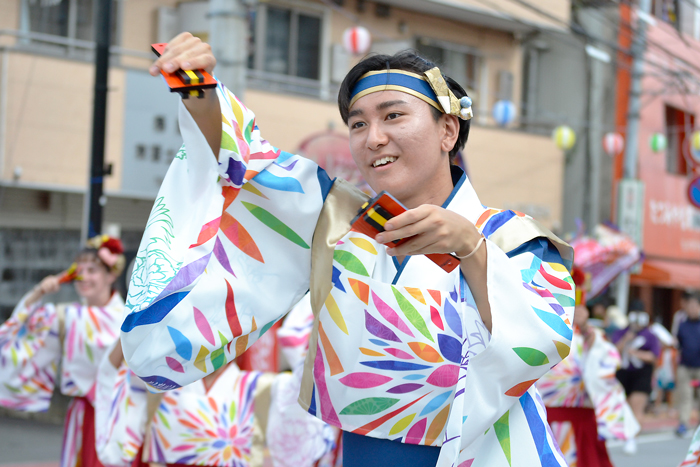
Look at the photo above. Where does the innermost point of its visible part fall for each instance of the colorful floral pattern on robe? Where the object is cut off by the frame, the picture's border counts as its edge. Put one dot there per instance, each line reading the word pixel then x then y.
pixel 693 456
pixel 227 252
pixel 191 425
pixel 586 378
pixel 30 350
pixel 294 437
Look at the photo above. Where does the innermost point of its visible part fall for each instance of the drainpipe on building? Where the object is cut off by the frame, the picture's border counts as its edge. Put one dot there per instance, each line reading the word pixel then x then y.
pixel 228 37
pixel 4 65
pixel 596 102
pixel 630 190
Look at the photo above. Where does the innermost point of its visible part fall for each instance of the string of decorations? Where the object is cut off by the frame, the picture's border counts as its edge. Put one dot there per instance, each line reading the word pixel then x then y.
pixel 357 41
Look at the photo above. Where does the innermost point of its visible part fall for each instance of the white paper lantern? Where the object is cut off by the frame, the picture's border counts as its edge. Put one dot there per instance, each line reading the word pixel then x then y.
pixel 613 144
pixel 357 40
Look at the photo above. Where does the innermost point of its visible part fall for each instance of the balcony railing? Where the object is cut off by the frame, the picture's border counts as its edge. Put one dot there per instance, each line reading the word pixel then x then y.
pixel 82 50
pixel 63 46
pixel 274 82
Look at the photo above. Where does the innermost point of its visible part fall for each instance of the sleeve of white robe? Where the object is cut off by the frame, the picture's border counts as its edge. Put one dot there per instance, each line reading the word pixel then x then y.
pixel 29 353
pixel 120 414
pixel 692 457
pixel 531 295
pixel 226 251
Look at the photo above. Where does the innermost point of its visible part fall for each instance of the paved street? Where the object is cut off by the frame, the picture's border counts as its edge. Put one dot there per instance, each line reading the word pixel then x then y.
pixel 29 443
pixel 654 450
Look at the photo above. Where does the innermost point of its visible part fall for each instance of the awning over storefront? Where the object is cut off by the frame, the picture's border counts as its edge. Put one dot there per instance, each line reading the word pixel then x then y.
pixel 671 274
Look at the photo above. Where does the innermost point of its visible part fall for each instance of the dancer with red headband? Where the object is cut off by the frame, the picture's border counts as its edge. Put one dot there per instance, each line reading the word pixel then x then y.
pixel 41 337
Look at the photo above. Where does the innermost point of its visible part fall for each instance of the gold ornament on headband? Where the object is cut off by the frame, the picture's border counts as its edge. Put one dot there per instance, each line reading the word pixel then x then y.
pixel 461 108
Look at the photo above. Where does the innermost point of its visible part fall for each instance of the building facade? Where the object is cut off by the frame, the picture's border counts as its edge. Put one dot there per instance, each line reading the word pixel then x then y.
pixel 670 105
pixel 296 62
pixel 569 79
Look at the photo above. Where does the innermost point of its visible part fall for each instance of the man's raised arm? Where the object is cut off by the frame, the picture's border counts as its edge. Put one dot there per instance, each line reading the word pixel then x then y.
pixel 188 52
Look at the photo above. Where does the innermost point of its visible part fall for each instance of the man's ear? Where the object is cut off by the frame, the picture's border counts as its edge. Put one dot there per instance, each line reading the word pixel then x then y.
pixel 451 132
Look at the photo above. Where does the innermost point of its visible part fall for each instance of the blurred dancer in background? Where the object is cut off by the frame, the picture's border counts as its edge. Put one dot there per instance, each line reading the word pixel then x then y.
pixel 222 420
pixel 585 402
pixel 38 336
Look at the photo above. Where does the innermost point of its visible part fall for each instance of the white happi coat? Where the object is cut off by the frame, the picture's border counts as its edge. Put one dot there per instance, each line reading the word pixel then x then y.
pixel 586 379
pixel 397 351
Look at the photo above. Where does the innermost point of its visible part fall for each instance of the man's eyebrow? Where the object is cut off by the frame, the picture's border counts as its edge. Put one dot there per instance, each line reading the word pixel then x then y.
pixel 386 104
pixel 352 113
pixel 380 106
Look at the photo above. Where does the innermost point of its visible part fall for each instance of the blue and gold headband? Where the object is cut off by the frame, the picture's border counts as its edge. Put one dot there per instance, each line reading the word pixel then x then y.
pixel 430 88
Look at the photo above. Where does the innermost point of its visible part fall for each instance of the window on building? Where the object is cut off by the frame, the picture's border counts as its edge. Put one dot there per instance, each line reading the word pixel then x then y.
pixel 71 19
pixel 459 62
pixel 679 126
pixel 155 153
pixel 159 123
pixel 140 151
pixel 287 41
pixel 667 10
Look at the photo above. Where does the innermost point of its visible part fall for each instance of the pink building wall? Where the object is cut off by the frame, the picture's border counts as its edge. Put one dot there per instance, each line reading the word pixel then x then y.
pixel 671 238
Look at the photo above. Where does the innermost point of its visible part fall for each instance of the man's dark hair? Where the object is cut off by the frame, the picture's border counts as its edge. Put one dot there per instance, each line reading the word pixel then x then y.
pixel 407 61
pixel 694 295
pixel 637 305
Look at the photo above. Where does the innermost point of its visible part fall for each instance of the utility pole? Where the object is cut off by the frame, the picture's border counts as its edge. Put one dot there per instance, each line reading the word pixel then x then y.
pixel 595 136
pixel 95 200
pixel 597 61
pixel 228 37
pixel 630 190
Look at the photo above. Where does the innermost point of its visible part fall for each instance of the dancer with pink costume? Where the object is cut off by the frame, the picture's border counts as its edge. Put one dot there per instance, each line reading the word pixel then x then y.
pixel 38 336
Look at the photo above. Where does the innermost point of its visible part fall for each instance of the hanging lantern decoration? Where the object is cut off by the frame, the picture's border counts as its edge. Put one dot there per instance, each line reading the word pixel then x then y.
pixel 564 137
pixel 658 142
pixel 504 112
pixel 357 40
pixel 613 144
pixel 695 146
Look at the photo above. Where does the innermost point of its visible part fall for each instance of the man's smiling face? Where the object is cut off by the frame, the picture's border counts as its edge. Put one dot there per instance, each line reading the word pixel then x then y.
pixel 399 146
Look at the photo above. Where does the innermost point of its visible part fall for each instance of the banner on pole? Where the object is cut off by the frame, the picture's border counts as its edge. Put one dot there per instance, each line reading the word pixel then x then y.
pixel 631 211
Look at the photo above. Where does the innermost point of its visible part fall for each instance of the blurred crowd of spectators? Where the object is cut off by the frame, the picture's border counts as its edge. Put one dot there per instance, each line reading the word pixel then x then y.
pixel 660 367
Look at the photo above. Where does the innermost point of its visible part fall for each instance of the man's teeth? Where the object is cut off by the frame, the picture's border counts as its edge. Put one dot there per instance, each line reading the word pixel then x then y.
pixel 384 160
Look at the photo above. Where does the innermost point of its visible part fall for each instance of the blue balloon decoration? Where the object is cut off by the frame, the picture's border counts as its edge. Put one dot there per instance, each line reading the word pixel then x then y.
pixel 504 112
